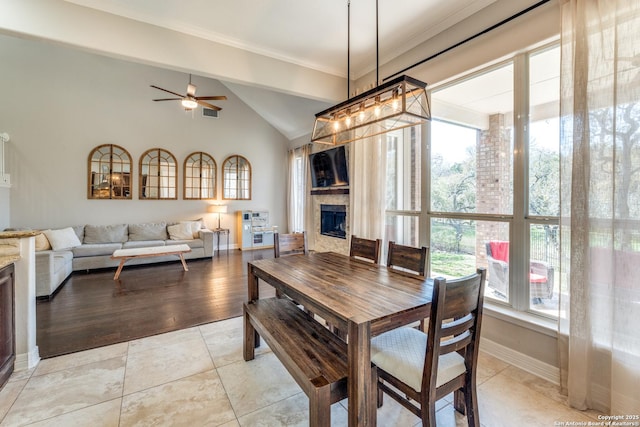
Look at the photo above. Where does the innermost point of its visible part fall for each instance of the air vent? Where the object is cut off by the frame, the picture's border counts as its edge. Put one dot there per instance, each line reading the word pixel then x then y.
pixel 208 112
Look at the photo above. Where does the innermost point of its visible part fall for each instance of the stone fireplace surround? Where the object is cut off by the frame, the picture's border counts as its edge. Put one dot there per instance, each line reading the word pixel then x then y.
pixel 327 243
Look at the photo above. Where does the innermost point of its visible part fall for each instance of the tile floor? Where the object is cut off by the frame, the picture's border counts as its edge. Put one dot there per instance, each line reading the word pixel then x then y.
pixel 197 377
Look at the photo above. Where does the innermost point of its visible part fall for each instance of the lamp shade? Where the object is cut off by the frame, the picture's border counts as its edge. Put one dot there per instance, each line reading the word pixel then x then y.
pixel 217 209
pixel 396 104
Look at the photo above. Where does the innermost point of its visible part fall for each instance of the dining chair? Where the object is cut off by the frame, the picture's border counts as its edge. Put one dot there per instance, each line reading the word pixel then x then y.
pixel 423 368
pixel 407 258
pixel 289 244
pixel 365 249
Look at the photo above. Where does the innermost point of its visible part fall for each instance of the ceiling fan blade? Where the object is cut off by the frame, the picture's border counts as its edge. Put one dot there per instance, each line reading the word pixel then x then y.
pixel 168 99
pixel 168 91
pixel 206 104
pixel 212 98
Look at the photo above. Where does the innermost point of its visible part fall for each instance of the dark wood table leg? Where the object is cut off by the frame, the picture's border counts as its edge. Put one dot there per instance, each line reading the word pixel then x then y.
pixel 253 294
pixel 362 394
pixel 248 345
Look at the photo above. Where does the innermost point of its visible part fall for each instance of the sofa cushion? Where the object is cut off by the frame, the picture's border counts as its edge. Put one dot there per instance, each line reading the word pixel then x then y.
pixel 181 231
pixel 62 239
pixel 142 244
pixel 79 230
pixel 117 233
pixel 148 231
pixel 95 249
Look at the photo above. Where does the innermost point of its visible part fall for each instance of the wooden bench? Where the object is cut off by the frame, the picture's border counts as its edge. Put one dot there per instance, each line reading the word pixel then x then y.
pixel 315 357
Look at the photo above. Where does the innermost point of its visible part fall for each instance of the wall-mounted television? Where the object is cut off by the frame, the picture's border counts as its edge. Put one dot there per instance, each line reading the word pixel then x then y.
pixel 329 168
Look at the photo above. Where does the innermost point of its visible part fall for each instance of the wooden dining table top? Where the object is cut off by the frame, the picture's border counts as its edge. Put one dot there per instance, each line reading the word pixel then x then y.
pixel 345 288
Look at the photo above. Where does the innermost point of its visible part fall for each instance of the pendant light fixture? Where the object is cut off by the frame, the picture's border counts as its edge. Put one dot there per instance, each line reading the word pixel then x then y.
pixel 396 104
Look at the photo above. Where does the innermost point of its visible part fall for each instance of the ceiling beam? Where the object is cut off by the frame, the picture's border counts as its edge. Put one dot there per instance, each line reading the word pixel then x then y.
pixel 98 32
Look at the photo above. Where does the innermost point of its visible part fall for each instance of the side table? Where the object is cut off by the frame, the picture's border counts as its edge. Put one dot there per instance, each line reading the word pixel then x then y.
pixel 218 232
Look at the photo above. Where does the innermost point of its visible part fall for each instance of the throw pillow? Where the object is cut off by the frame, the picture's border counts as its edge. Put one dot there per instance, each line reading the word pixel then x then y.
pixel 181 231
pixel 42 243
pixel 64 238
pixel 196 226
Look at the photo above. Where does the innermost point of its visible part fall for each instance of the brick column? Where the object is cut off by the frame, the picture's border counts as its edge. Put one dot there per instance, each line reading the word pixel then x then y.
pixel 493 178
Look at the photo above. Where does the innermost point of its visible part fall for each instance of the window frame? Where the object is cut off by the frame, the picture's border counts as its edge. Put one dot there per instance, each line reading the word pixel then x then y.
pixel 192 163
pixel 146 160
pixel 226 184
pixel 111 175
pixel 520 220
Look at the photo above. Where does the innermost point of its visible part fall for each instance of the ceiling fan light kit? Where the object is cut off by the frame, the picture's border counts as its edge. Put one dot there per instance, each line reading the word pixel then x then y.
pixel 189 104
pixel 396 104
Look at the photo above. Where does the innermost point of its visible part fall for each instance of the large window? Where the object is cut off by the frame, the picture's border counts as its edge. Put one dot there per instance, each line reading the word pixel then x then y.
pixel 488 195
pixel 404 189
pixel 494 180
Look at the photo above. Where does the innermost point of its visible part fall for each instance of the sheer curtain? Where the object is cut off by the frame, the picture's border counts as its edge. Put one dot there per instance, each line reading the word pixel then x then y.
pixel 367 182
pixel 599 329
pixel 299 212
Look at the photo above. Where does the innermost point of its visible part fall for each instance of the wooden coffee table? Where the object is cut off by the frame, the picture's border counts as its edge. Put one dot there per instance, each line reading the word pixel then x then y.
pixel 125 254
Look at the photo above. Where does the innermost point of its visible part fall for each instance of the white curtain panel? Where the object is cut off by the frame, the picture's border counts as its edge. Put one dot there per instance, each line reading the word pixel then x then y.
pixel 367 178
pixel 299 211
pixel 599 328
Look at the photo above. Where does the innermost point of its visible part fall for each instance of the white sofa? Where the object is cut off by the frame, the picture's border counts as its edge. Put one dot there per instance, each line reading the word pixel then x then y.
pixel 96 243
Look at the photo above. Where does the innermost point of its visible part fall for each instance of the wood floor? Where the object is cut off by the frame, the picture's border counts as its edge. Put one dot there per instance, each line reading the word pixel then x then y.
pixel 93 310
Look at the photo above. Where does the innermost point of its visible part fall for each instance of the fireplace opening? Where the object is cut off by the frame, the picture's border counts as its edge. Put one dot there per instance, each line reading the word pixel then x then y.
pixel 333 221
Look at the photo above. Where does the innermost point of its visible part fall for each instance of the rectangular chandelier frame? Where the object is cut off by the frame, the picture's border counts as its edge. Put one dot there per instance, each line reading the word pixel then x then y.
pixel 396 104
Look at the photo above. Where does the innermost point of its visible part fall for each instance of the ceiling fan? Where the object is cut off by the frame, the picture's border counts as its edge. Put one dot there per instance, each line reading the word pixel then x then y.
pixel 190 100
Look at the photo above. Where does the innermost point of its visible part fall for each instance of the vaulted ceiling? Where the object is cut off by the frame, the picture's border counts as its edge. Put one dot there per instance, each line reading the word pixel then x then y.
pixel 287 59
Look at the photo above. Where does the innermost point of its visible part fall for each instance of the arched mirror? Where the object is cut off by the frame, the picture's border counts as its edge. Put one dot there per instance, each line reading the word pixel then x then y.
pixel 199 177
pixel 236 178
pixel 109 173
pixel 158 175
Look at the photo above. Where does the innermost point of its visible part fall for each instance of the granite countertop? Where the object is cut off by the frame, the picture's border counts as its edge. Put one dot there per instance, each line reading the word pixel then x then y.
pixel 18 234
pixel 8 259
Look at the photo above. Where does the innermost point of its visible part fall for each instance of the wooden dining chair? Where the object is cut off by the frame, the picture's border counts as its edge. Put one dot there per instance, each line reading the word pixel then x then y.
pixel 407 258
pixel 289 244
pixel 365 249
pixel 423 368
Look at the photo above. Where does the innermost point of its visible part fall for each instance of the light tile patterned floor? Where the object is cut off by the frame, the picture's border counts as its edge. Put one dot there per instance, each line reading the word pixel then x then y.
pixel 197 377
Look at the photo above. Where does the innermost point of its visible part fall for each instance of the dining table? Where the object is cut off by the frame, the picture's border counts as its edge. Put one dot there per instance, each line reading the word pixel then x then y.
pixel 358 297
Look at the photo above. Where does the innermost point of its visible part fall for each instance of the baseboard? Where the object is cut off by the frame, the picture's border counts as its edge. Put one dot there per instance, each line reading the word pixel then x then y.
pixel 25 361
pixel 521 360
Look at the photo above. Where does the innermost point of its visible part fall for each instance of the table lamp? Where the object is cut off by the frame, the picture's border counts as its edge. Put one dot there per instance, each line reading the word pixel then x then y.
pixel 219 209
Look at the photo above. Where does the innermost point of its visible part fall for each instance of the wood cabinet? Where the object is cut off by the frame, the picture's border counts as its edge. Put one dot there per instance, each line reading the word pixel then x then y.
pixel 7 323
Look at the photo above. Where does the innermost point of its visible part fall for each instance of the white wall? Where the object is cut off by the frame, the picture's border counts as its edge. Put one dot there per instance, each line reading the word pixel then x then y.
pixel 4 207
pixel 58 104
